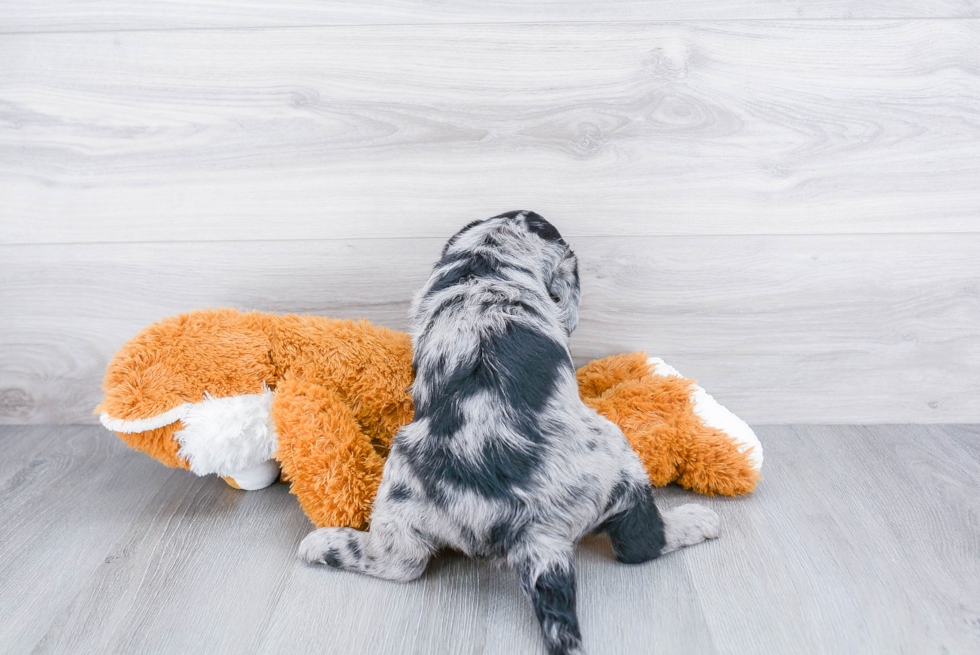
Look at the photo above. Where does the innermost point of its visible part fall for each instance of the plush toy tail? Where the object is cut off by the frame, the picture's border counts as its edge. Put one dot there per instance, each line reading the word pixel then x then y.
pixel 680 433
pixel 715 415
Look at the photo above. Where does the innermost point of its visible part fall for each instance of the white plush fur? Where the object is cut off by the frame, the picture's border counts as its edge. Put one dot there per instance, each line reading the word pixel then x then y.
pixel 715 415
pixel 228 436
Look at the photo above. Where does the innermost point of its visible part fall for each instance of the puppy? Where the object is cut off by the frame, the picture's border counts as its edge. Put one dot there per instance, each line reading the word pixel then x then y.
pixel 502 459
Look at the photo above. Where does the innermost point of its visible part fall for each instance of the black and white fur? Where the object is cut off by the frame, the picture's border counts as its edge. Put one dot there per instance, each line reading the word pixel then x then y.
pixel 502 459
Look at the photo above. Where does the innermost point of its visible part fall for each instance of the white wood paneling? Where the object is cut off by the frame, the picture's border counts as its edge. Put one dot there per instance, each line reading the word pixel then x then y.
pixel 77 15
pixel 730 127
pixel 823 329
pixel 785 209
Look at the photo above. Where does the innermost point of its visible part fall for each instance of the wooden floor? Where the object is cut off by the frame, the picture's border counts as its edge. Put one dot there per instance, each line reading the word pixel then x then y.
pixel 860 540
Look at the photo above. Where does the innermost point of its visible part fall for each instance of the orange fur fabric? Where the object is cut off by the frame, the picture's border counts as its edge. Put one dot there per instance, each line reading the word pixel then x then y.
pixel 222 391
pixel 656 413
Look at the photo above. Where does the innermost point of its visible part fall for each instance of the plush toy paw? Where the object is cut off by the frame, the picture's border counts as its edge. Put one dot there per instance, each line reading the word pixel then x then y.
pixel 332 466
pixel 688 525
pixel 257 477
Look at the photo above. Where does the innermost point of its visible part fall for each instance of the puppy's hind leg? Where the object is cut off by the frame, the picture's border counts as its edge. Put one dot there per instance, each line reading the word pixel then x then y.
pixel 549 582
pixel 393 548
pixel 639 533
pixel 687 525
pixel 376 552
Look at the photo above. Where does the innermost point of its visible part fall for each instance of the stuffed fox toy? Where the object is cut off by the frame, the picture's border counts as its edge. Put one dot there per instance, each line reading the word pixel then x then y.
pixel 254 397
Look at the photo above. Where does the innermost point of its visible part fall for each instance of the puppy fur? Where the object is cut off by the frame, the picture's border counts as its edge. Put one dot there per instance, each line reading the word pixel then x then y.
pixel 502 459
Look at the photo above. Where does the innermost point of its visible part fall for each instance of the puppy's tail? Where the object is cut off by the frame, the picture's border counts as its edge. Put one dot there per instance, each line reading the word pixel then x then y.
pixel 551 588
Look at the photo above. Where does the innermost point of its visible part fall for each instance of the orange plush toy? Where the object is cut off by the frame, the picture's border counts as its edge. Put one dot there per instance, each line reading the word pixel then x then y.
pixel 252 396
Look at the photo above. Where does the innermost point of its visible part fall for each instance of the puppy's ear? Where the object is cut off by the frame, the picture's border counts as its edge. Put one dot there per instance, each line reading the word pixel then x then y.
pixel 564 289
pixel 456 236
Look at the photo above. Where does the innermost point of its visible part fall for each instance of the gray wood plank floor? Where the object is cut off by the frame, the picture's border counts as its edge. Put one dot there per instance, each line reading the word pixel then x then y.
pixel 860 540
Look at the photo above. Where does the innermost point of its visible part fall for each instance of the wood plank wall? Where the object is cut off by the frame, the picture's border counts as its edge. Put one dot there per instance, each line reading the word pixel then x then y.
pixel 782 199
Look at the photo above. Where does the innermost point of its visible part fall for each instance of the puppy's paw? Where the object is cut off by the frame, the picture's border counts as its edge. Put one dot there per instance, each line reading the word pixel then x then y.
pixel 688 525
pixel 319 547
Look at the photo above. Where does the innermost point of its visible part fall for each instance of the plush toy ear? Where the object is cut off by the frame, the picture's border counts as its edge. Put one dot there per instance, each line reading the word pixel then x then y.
pixel 564 289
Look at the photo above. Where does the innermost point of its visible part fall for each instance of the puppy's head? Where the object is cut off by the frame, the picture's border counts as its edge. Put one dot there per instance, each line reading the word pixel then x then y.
pixel 523 240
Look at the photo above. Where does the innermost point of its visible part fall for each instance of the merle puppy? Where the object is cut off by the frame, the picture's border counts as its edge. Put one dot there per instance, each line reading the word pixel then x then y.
pixel 503 460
